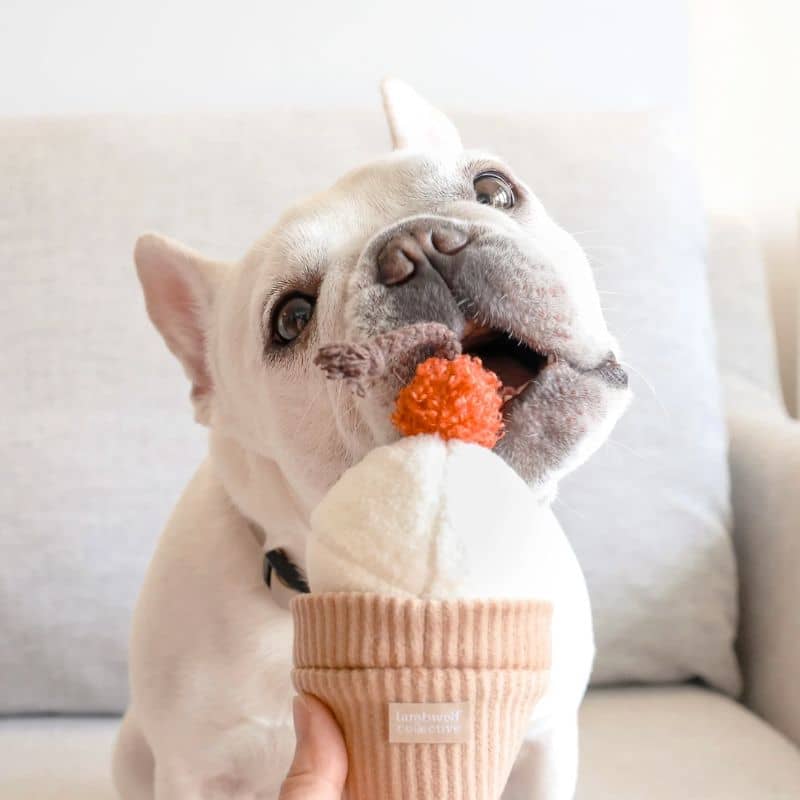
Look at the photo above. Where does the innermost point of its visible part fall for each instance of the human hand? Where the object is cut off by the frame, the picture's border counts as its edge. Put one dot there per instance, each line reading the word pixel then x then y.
pixel 319 768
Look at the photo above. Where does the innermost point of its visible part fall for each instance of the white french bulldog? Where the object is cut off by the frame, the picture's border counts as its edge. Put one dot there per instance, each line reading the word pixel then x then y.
pixel 431 232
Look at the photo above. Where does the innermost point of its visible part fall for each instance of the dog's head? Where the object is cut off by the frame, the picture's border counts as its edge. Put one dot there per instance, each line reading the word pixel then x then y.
pixel 431 232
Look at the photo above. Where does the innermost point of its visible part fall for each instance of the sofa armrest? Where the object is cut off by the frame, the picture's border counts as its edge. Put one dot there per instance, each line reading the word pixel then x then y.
pixel 765 474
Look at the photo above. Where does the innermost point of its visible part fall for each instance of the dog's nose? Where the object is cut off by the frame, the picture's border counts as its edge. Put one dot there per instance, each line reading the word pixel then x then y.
pixel 411 251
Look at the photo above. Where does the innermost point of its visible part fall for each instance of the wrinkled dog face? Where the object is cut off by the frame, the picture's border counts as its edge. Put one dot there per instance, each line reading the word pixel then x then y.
pixel 430 233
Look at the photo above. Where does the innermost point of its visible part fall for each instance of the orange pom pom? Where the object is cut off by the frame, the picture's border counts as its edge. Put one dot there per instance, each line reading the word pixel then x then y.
pixel 457 399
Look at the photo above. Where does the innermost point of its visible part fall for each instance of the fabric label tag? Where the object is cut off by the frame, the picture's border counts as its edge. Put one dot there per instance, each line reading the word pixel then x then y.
pixel 430 723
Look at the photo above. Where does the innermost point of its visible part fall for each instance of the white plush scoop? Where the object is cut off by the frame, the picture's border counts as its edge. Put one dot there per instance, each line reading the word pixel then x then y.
pixel 442 519
pixel 434 519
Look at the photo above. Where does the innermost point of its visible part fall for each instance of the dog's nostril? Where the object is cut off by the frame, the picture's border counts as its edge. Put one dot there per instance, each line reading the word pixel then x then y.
pixel 449 241
pixel 398 261
pixel 408 253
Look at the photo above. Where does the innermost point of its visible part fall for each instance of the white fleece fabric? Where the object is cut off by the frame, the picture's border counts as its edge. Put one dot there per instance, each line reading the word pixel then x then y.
pixel 435 519
pixel 410 520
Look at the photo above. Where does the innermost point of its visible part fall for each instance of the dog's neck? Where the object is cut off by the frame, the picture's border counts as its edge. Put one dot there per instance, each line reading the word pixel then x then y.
pixel 262 494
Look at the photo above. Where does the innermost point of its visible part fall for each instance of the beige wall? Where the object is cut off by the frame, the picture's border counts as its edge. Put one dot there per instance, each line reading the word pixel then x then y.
pixel 745 79
pixel 57 56
pixel 744 75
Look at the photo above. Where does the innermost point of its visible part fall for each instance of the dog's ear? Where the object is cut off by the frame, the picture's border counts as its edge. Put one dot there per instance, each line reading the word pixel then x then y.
pixel 179 287
pixel 413 122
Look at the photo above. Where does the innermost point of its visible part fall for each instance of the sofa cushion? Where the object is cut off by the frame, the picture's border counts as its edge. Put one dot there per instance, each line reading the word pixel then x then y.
pixel 96 437
pixel 681 743
pixel 676 743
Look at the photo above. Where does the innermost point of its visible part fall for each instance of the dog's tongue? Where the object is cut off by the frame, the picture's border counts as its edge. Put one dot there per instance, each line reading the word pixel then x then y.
pixel 513 373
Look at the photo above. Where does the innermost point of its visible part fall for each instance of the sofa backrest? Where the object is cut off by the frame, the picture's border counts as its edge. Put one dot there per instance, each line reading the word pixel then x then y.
pixel 96 438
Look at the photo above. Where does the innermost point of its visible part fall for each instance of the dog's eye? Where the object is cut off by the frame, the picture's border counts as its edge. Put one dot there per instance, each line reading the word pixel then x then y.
pixel 493 189
pixel 291 316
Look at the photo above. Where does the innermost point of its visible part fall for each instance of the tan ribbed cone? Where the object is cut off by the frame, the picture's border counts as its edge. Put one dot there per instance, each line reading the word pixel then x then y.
pixel 359 653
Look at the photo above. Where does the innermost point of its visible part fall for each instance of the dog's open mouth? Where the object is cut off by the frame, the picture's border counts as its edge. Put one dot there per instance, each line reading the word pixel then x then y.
pixel 515 363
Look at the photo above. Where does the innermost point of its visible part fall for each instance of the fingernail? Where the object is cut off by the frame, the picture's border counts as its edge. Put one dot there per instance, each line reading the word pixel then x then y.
pixel 302 716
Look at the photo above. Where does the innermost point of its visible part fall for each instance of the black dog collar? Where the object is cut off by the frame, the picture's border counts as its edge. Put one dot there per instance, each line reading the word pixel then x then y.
pixel 278 563
pixel 285 570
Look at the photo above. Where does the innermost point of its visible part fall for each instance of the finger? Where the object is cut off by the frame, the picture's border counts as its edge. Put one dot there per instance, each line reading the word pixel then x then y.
pixel 319 767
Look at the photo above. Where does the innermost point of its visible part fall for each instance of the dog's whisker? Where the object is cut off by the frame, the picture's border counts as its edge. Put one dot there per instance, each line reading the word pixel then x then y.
pixel 610 248
pixel 571 508
pixel 299 425
pixel 628 449
pixel 648 384
pixel 588 230
pixel 622 333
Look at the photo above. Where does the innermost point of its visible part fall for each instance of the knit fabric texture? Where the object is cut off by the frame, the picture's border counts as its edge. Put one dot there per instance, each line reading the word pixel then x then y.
pixel 361 652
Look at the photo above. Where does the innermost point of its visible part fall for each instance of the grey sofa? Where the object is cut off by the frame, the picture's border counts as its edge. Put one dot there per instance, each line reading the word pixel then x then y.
pixel 97 441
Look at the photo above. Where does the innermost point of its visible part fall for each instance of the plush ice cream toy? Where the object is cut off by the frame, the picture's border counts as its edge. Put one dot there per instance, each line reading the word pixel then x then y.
pixel 447 614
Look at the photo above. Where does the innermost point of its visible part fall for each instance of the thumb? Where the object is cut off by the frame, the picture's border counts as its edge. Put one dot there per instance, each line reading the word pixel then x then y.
pixel 319 767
